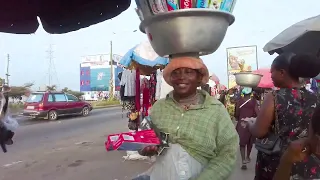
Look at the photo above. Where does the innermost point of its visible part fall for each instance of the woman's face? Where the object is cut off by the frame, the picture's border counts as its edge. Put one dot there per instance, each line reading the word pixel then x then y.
pixel 277 76
pixel 185 81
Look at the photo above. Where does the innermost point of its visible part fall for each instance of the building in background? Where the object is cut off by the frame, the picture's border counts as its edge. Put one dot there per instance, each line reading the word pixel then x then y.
pixel 95 75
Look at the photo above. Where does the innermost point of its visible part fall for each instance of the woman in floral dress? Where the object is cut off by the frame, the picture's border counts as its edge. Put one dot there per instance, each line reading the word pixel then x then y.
pixel 300 150
pixel 292 106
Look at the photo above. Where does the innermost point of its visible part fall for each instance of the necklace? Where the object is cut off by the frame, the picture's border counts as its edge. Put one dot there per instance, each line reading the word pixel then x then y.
pixel 188 102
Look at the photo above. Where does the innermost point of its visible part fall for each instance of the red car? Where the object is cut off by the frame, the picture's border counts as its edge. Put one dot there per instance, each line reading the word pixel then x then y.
pixel 51 105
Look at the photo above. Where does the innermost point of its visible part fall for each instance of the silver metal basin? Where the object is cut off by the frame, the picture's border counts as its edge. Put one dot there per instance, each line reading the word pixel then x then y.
pixel 317 77
pixel 195 31
pixel 247 79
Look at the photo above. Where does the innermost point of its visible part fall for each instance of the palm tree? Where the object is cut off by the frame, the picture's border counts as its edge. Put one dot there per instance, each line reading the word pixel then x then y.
pixel 51 88
pixel 65 89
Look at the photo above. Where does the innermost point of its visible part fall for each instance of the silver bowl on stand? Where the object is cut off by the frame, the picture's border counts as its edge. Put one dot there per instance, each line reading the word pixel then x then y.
pixel 248 79
pixel 187 31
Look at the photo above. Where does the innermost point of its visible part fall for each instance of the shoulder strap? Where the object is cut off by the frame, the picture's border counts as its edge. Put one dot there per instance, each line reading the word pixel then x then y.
pixel 276 122
pixel 244 103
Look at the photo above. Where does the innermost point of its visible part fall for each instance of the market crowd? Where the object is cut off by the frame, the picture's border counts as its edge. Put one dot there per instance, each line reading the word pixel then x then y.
pixel 282 123
pixel 205 133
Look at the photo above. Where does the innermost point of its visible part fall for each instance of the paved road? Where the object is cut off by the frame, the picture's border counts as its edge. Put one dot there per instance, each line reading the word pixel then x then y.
pixel 73 148
pixel 49 132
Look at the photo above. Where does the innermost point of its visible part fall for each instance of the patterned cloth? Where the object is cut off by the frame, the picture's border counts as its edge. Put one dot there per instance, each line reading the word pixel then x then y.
pixel 153 85
pixel 138 91
pixel 204 131
pixel 230 105
pixel 294 108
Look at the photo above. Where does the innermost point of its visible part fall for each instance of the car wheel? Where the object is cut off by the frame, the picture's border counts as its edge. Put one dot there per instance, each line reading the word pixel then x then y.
pixel 85 111
pixel 52 115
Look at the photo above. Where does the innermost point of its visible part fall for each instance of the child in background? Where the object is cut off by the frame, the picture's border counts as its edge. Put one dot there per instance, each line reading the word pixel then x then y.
pixel 133 119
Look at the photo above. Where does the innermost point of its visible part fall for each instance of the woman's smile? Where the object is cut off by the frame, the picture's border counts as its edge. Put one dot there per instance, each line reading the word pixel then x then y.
pixel 182 85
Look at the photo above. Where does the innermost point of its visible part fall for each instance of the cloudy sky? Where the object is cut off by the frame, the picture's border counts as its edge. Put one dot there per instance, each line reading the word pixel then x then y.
pixel 257 22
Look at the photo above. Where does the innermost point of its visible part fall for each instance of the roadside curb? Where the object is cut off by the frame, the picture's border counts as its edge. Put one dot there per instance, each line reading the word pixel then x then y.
pixel 105 107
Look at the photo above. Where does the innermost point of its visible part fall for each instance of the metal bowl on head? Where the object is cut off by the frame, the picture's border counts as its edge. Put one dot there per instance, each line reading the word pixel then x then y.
pixel 195 31
pixel 248 79
pixel 317 77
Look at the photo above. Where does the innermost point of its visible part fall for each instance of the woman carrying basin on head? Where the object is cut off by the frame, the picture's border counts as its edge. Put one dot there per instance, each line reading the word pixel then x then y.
pixel 246 107
pixel 203 140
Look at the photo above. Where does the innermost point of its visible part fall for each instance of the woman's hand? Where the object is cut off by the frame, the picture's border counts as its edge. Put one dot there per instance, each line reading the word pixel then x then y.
pixel 297 151
pixel 149 151
pixel 249 121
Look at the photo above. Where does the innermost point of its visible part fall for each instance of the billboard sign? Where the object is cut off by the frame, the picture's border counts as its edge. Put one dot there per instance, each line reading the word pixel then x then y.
pixel 95 72
pixel 100 78
pixel 237 57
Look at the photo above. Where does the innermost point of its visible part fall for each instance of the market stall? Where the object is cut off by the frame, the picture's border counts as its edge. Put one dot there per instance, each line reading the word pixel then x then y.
pixel 141 84
pixel 139 62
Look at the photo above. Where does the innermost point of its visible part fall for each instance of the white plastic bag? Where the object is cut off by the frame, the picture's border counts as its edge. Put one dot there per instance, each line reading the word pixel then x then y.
pixel 175 164
pixel 10 123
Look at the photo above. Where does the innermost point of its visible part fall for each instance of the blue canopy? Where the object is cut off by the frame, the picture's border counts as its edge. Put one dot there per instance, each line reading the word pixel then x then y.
pixel 131 55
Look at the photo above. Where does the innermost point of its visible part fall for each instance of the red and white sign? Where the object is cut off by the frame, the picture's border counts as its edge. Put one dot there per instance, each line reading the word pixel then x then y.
pixel 185 4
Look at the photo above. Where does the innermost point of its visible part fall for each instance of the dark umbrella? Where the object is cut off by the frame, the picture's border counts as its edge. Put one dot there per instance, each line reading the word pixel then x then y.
pixel 57 16
pixel 302 37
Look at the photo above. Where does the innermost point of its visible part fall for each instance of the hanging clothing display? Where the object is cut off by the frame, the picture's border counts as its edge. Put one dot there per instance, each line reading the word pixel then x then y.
pixel 146 100
pixel 128 80
pixel 158 85
pixel 153 85
pixel 128 104
pixel 119 75
pixel 128 89
pixel 138 91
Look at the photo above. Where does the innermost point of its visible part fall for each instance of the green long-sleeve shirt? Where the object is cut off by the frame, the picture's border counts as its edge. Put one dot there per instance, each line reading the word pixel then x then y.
pixel 205 131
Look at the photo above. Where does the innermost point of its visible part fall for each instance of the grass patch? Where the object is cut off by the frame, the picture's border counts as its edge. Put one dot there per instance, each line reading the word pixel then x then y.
pixel 15 107
pixel 105 103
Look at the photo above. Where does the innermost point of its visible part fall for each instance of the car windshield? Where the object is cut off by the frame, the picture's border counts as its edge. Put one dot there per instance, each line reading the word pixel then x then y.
pixel 33 98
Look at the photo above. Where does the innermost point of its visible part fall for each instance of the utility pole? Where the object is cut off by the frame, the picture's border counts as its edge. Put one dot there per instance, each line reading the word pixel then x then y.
pixel 111 94
pixel 7 73
pixel 50 57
